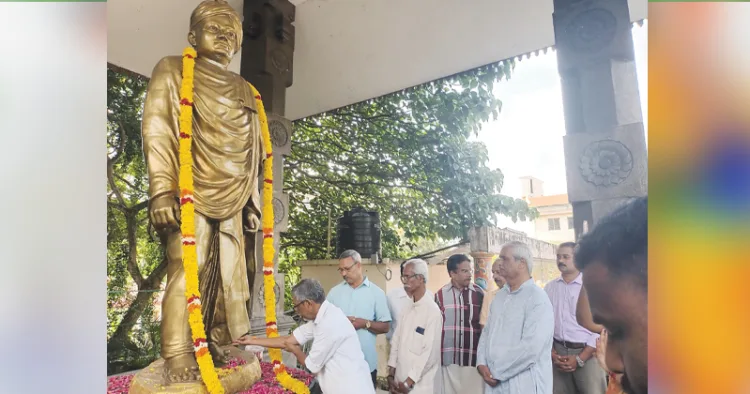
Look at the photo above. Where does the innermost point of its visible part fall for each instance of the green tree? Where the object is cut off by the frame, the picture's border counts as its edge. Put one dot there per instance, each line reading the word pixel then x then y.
pixel 408 155
pixel 135 261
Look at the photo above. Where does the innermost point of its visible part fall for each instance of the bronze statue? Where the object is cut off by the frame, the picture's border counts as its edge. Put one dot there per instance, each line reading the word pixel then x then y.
pixel 227 154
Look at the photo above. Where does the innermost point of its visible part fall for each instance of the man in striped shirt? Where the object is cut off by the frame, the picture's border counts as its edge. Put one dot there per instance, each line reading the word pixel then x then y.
pixel 460 301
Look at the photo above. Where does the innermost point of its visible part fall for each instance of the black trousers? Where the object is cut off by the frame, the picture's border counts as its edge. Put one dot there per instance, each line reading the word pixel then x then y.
pixel 374 378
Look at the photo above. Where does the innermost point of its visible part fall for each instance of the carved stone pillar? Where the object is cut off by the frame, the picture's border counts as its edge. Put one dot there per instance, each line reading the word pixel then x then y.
pixel 267 59
pixel 605 144
pixel 268 50
pixel 281 138
pixel 483 270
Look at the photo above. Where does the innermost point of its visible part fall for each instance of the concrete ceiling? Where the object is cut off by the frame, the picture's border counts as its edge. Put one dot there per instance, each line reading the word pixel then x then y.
pixel 348 51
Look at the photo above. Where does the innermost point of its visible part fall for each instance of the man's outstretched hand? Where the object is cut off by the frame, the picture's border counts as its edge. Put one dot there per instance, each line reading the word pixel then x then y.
pixel 244 340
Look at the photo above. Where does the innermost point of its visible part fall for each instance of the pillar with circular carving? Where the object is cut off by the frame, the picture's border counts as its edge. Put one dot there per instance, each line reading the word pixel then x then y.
pixel 483 270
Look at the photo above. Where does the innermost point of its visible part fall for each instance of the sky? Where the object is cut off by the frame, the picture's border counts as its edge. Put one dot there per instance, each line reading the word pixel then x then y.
pixel 527 137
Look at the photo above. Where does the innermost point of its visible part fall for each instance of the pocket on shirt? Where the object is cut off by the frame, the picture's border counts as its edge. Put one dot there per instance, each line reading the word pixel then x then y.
pixel 417 343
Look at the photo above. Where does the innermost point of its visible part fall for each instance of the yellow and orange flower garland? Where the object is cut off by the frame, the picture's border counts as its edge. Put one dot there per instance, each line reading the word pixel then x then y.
pixel 269 282
pixel 189 258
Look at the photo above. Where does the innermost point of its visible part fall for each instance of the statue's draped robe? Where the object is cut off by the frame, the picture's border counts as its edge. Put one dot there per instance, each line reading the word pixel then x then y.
pixel 227 153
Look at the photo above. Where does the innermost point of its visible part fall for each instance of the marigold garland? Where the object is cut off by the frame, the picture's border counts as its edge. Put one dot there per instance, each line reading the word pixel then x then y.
pixel 187 228
pixel 209 374
pixel 286 380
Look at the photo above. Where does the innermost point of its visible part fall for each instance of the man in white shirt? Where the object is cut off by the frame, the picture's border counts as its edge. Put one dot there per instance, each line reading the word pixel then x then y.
pixel 415 347
pixel 400 299
pixel 336 356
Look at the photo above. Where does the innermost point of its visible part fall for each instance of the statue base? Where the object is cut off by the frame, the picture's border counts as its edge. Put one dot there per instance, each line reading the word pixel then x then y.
pixel 150 380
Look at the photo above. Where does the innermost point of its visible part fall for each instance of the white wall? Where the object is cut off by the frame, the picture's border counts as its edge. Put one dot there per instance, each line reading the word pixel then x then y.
pixel 542 232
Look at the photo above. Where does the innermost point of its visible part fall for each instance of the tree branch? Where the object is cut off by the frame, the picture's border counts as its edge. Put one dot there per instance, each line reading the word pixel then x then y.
pixel 130 184
pixel 111 164
pixel 303 245
pixel 132 228
pixel 137 207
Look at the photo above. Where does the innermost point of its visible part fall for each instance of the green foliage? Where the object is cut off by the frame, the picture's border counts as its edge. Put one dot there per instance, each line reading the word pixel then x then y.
pixel 408 155
pixel 133 252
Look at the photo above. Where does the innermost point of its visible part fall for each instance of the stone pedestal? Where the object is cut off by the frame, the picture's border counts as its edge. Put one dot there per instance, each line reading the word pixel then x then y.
pixel 483 270
pixel 151 379
pixel 605 145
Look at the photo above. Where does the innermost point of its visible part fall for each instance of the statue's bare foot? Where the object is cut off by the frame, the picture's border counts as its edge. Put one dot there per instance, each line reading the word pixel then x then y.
pixel 221 356
pixel 182 368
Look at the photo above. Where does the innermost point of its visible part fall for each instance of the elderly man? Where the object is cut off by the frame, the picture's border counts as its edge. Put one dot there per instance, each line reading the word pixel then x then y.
pixel 515 346
pixel 365 305
pixel 460 301
pixel 575 367
pixel 614 260
pixel 335 357
pixel 415 349
pixel 399 300
pixel 488 297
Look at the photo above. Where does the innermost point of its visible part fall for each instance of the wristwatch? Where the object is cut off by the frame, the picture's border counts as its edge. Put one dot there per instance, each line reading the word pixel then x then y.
pixel 580 362
pixel 367 324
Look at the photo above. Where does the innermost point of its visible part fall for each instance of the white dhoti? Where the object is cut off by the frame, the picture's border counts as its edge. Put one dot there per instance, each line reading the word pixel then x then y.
pixel 460 380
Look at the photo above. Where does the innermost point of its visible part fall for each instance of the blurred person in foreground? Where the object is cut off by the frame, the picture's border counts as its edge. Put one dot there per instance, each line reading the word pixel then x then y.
pixel 515 346
pixel 584 318
pixel 489 296
pixel 415 347
pixel 399 300
pixel 460 302
pixel 335 357
pixel 614 260
pixel 575 367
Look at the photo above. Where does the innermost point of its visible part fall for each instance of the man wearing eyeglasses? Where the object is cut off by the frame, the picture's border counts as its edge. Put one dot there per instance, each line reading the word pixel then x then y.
pixel 399 300
pixel 335 357
pixel 414 359
pixel 364 304
pixel 460 302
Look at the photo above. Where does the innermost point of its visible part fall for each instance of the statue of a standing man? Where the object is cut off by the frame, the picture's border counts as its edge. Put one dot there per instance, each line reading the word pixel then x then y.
pixel 227 153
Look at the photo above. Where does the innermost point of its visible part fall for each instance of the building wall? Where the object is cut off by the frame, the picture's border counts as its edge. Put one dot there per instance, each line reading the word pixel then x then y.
pixel 542 229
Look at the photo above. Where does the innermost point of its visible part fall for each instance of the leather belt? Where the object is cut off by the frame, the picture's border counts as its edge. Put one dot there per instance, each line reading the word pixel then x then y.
pixel 571 345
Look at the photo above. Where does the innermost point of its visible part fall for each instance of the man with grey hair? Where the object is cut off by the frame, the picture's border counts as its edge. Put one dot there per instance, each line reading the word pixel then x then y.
pixel 414 359
pixel 335 357
pixel 513 356
pixel 365 305
pixel 400 300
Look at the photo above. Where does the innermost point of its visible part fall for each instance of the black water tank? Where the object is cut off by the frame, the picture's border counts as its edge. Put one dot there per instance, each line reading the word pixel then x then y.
pixel 359 229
